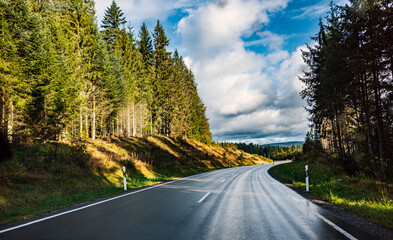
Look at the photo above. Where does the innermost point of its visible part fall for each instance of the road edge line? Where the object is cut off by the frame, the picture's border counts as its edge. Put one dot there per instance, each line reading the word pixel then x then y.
pixel 90 205
pixel 342 231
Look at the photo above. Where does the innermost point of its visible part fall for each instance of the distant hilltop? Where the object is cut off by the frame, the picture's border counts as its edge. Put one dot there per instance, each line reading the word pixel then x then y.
pixel 285 144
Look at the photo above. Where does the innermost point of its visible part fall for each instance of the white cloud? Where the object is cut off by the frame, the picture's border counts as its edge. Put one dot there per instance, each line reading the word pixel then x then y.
pixel 248 95
pixel 319 10
pixel 218 25
pixel 271 40
pixel 137 10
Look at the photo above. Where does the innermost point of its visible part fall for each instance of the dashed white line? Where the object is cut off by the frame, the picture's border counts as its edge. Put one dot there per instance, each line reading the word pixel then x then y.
pixel 203 198
pixel 223 180
pixel 342 231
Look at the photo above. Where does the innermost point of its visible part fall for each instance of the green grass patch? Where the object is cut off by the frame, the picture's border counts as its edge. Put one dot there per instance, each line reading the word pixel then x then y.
pixel 367 197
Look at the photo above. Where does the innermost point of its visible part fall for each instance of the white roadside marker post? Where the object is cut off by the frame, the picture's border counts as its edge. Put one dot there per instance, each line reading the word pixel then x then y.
pixel 307 186
pixel 124 178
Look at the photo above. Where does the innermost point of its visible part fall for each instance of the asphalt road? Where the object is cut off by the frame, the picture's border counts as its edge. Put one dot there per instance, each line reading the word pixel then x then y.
pixel 233 203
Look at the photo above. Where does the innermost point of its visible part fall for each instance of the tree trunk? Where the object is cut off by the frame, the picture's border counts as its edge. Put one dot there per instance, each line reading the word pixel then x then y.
pixel 334 136
pixel 340 147
pixel 128 121
pixel 81 123
pixel 133 120
pixel 113 133
pixel 87 124
pixel 367 114
pixel 141 119
pixel 121 124
pixel 151 125
pixel 379 121
pixel 117 126
pixel 93 123
pixel 102 129
pixel 2 113
pixel 10 127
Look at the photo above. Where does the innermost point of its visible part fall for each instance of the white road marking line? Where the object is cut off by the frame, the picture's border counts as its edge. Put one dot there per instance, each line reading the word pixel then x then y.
pixel 203 198
pixel 90 205
pixel 295 199
pixel 342 231
pixel 223 180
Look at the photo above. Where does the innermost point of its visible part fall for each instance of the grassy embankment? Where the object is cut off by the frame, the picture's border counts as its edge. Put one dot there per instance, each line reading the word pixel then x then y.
pixel 364 196
pixel 44 177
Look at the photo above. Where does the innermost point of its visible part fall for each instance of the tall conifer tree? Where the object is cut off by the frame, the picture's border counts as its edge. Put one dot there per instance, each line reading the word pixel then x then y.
pixel 113 20
pixel 162 65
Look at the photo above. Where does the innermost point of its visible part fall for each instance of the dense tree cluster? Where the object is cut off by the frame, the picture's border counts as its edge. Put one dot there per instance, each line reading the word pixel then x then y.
pixel 275 152
pixel 61 77
pixel 349 87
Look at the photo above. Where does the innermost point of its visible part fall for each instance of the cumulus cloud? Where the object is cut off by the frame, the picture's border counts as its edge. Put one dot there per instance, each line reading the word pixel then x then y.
pixel 137 10
pixel 248 95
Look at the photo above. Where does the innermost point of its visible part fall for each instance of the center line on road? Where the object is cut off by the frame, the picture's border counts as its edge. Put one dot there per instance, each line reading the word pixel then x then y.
pixel 223 180
pixel 203 198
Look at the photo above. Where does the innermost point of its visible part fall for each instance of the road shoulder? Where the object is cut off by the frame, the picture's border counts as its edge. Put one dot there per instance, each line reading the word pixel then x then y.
pixel 352 218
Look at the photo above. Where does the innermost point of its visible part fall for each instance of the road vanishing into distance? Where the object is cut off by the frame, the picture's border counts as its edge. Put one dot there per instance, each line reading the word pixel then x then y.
pixel 233 203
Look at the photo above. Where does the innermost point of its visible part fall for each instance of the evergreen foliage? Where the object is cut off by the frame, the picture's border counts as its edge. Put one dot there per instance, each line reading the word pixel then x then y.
pixel 145 46
pixel 61 78
pixel 113 20
pixel 275 152
pixel 349 86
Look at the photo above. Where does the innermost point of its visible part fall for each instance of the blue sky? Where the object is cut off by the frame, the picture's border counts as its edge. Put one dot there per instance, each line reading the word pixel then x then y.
pixel 246 57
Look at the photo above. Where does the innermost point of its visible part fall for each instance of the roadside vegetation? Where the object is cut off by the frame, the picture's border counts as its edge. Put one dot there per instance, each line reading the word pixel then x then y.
pixel 348 90
pixel 361 194
pixel 47 176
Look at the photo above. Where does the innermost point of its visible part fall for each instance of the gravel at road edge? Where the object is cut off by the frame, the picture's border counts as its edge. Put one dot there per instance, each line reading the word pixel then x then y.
pixel 352 218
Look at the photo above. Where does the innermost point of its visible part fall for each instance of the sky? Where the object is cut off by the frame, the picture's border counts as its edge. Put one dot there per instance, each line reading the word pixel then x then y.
pixel 246 58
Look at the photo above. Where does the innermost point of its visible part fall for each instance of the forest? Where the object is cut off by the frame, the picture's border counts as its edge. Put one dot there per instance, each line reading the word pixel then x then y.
pixel 64 76
pixel 349 88
pixel 274 152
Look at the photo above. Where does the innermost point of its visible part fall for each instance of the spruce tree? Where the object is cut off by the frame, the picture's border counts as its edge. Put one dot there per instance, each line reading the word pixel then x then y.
pixel 145 46
pixel 79 23
pixel 162 64
pixel 111 23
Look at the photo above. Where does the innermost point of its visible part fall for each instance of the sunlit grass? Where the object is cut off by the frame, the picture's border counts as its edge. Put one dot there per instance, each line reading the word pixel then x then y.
pixel 367 197
pixel 163 146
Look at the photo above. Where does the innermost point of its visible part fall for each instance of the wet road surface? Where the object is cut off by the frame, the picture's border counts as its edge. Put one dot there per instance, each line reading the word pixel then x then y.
pixel 233 203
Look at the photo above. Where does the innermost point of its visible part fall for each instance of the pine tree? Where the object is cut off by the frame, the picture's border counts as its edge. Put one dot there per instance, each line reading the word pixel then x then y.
pixel 111 23
pixel 145 78
pixel 60 77
pixel 145 46
pixel 12 86
pixel 348 87
pixel 162 64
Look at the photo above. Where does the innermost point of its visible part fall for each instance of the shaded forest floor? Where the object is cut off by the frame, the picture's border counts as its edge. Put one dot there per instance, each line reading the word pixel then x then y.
pixel 43 177
pixel 367 197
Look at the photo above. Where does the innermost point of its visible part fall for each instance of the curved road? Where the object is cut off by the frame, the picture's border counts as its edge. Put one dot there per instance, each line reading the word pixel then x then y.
pixel 233 203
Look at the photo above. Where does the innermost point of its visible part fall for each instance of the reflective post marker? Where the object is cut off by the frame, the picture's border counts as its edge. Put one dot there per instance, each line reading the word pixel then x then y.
pixel 307 187
pixel 124 177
